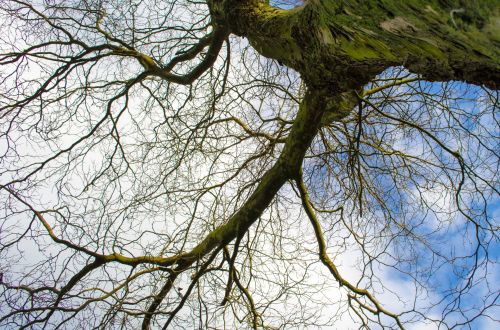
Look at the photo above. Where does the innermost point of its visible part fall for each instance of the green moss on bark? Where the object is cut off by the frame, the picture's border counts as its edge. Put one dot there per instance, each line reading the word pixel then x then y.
pixel 343 44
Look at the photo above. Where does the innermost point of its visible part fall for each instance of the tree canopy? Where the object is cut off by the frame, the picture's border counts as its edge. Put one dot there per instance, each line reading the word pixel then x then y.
pixel 228 164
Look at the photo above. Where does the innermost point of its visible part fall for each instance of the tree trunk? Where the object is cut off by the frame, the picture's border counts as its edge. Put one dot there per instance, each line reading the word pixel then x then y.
pixel 341 45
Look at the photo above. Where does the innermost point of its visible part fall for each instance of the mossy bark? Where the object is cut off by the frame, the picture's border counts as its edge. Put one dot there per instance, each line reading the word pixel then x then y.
pixel 343 44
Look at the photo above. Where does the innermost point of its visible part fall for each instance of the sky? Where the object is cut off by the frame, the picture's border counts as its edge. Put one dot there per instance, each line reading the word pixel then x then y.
pixel 447 237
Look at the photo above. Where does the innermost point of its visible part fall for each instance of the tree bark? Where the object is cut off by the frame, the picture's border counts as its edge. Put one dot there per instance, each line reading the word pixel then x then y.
pixel 341 45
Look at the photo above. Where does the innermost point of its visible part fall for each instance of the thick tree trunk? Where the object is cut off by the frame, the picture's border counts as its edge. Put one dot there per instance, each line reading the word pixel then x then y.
pixel 343 44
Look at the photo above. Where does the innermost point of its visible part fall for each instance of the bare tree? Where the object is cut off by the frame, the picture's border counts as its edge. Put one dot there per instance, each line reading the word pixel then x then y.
pixel 230 164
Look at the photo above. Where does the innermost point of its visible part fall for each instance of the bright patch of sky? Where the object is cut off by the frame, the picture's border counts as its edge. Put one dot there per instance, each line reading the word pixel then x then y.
pixel 286 4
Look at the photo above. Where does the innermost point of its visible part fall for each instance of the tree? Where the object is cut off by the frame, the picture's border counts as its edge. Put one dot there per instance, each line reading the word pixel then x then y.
pixel 220 163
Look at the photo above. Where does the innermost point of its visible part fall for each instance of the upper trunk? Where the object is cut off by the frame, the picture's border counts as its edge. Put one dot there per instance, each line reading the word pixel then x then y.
pixel 342 44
